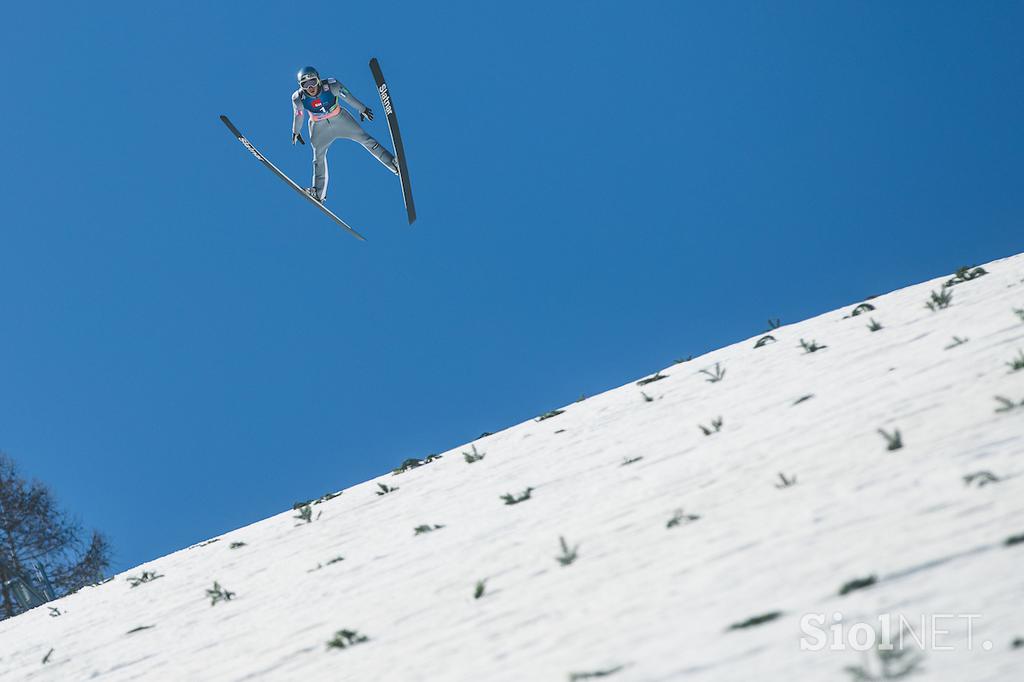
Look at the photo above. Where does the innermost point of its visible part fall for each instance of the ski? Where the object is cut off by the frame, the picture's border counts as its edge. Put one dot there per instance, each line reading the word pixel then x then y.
pixel 291 183
pixel 396 137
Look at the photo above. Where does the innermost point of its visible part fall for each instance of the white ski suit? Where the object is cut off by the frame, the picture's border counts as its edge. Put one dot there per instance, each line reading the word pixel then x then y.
pixel 328 122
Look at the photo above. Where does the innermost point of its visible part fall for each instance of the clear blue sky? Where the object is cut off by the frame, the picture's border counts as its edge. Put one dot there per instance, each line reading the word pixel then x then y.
pixel 186 347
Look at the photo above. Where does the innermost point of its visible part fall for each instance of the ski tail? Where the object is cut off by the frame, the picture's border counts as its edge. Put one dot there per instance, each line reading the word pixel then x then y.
pixel 396 137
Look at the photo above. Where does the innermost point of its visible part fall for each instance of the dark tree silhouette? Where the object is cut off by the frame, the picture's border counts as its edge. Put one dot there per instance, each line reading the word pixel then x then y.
pixel 33 530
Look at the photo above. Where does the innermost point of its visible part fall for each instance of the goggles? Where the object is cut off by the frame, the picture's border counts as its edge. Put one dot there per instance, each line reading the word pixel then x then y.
pixel 310 82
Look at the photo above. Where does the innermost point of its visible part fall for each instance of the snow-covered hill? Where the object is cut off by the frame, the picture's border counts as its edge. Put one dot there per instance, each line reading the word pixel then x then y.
pixel 693 560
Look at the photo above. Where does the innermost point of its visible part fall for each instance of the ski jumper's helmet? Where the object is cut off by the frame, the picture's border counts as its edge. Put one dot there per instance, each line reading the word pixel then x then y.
pixel 307 73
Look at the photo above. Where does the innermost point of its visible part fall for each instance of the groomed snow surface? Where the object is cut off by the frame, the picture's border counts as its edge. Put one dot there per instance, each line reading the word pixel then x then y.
pixel 644 599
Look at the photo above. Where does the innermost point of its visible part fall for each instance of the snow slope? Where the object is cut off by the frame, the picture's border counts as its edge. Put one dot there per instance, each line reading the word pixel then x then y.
pixel 642 601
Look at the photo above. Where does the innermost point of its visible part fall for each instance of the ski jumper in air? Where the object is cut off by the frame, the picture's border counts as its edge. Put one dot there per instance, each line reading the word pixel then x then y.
pixel 329 121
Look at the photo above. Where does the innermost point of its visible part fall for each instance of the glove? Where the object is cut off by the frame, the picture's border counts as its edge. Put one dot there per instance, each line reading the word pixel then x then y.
pixel 366 114
pixel 296 136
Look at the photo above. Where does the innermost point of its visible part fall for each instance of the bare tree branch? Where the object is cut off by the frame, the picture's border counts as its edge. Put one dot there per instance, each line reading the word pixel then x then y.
pixel 35 531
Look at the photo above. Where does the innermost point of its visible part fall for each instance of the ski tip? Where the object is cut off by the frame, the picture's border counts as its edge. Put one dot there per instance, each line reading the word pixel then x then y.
pixel 374 62
pixel 231 126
